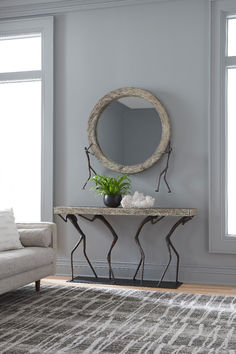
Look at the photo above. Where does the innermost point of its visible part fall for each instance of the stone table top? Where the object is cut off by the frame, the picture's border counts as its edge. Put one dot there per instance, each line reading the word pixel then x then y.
pixel 91 210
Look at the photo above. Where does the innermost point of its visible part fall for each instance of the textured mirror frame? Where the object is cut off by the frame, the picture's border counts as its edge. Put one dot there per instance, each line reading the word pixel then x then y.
pixel 94 118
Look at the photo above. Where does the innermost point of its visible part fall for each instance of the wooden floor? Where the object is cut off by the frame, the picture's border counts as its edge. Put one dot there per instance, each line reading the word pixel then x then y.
pixel 184 288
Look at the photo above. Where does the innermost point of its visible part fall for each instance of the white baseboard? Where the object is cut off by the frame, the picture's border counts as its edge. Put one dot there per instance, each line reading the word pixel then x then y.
pixel 187 273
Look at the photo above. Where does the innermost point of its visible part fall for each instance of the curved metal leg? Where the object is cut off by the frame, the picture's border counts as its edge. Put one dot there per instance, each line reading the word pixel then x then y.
pixel 71 257
pixel 73 220
pixel 154 220
pixel 142 260
pixel 115 238
pixel 177 262
pixel 170 257
pixel 170 246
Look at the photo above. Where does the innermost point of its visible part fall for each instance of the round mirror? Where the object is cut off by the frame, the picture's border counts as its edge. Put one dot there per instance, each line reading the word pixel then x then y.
pixel 129 130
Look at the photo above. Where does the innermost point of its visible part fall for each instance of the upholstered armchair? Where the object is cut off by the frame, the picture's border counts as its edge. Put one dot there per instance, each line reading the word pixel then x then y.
pixel 36 260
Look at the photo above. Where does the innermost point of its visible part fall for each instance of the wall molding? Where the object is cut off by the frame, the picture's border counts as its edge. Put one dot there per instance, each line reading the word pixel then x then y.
pixel 220 241
pixel 22 8
pixel 202 274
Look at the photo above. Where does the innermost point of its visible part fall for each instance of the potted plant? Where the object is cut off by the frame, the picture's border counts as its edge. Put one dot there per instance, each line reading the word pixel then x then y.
pixel 112 188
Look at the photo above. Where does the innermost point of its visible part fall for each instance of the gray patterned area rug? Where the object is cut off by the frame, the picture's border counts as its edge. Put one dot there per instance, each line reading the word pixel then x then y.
pixel 66 319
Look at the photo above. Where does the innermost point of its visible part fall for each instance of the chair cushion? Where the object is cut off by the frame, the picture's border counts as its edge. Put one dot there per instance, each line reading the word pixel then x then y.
pixel 35 237
pixel 18 261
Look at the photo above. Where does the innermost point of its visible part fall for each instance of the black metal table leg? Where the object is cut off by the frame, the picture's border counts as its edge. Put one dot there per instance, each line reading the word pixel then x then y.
pixel 142 259
pixel 170 246
pixel 74 221
pixel 115 238
pixel 153 220
pixel 71 257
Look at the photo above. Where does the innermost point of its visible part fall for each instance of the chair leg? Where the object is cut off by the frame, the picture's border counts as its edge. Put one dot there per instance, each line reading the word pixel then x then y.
pixel 37 285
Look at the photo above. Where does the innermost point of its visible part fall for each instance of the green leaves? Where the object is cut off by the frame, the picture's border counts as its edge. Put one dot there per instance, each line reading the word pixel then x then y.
pixel 111 185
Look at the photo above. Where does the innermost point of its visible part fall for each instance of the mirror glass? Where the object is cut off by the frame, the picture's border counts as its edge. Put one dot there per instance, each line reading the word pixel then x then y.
pixel 129 130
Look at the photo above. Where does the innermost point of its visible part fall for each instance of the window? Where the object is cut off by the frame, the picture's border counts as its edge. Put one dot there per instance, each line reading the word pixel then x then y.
pixel 231 124
pixel 223 128
pixel 26 118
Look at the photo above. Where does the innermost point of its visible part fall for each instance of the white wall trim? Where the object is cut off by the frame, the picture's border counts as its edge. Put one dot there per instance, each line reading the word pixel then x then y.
pixel 47 120
pixel 219 242
pixel 202 274
pixel 20 76
pixel 20 8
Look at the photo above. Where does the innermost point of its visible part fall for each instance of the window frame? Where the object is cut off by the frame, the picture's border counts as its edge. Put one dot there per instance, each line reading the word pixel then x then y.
pixel 43 25
pixel 219 241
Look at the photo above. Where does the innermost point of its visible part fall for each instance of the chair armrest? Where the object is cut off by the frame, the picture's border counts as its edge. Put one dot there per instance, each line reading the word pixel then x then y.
pixel 42 225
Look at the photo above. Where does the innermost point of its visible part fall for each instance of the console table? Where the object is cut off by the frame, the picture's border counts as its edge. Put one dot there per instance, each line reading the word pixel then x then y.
pixel 152 215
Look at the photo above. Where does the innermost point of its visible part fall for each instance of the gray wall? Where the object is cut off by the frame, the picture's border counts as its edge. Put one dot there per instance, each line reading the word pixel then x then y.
pixel 162 47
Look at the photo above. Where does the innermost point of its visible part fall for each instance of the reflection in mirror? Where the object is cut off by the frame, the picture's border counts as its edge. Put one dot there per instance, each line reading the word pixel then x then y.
pixel 129 130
